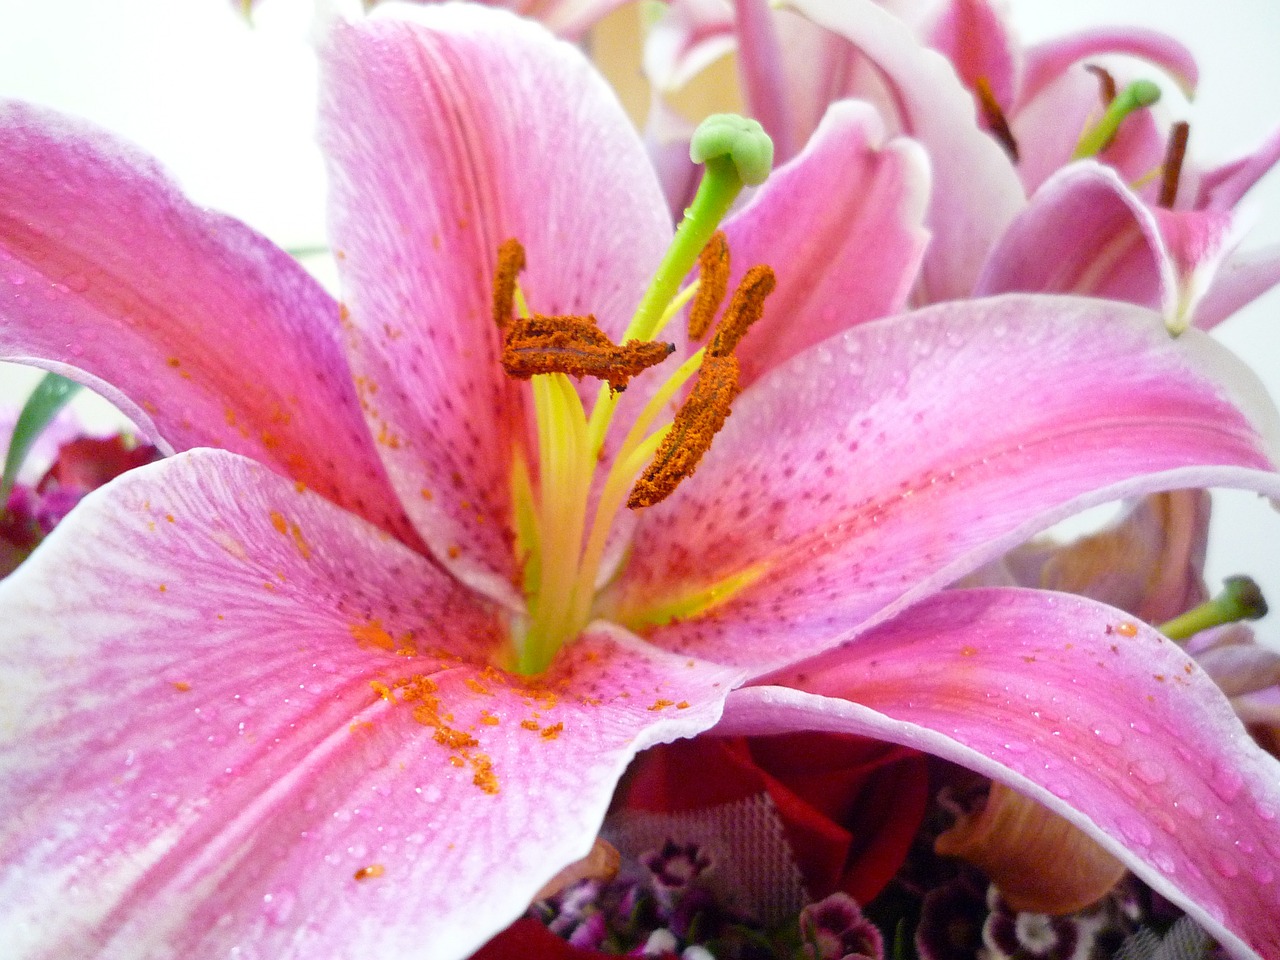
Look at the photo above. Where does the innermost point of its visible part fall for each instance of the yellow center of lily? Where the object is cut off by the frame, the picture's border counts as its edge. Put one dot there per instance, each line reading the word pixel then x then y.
pixel 561 529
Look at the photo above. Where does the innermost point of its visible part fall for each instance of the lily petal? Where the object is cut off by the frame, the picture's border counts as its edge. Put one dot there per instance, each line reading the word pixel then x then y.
pixel 1241 279
pixel 443 142
pixel 976 191
pixel 197 328
pixel 967 428
pixel 216 718
pixel 1047 61
pixel 1123 735
pixel 842 226
pixel 1149 563
pixel 1117 251
pixel 1223 187
pixel 976 39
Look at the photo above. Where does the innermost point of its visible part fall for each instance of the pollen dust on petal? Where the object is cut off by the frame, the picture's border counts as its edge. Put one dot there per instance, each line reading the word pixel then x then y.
pixel 372 634
pixel 371 872
pixel 422 696
pixel 289 528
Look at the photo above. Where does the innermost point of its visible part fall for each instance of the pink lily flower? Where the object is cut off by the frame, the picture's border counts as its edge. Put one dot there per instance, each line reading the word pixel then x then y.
pixel 567 18
pixel 257 696
pixel 1179 258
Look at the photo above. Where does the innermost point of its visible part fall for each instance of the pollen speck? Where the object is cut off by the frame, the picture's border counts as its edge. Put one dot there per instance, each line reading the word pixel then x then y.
pixel 475 686
pixel 181 686
pixel 529 724
pixel 370 872
pixel 552 731
pixel 382 690
pixel 488 719
pixel 1127 629
pixel 661 705
pixel 372 634
pixel 968 651
pixel 682 705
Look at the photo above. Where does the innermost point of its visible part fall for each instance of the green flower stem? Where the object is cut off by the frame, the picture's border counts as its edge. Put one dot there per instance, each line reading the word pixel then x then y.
pixel 1240 599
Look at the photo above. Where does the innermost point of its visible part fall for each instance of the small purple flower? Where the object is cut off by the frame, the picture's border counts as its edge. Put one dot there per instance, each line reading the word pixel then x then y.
pixel 676 866
pixel 951 920
pixel 835 929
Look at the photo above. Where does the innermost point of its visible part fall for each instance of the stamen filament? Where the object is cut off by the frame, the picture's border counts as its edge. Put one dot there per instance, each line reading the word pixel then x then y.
pixel 563 478
pixel 633 456
pixel 613 494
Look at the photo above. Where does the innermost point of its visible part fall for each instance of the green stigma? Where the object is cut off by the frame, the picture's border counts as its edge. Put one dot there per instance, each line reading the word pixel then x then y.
pixel 1136 96
pixel 1241 599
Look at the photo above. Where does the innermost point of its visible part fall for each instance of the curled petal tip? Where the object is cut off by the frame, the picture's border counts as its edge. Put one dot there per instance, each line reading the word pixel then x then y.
pixel 1040 862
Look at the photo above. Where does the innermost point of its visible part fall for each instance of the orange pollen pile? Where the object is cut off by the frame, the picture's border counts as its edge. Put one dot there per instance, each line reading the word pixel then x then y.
pixel 713 274
pixel 1174 155
pixel 578 347
pixel 995 117
pixel 697 422
pixel 575 345
pixel 746 307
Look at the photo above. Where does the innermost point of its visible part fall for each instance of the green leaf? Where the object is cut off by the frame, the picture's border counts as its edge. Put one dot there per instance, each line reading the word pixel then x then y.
pixel 50 395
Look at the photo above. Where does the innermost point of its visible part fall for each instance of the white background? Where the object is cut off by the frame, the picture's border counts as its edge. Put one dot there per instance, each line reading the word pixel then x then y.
pixel 229 109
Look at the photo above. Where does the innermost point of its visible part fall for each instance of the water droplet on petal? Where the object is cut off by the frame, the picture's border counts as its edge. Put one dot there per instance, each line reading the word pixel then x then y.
pixel 1191 807
pixel 1108 735
pixel 1149 772
pixel 277 907
pixel 1226 781
pixel 1224 863
pixel 1136 831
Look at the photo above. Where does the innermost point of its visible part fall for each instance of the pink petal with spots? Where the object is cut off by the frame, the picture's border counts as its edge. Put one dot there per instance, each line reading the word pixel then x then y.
pixel 443 143
pixel 976 39
pixel 238 720
pixel 976 191
pixel 895 458
pixel 1117 251
pixel 1047 61
pixel 1101 719
pixel 842 227
pixel 201 331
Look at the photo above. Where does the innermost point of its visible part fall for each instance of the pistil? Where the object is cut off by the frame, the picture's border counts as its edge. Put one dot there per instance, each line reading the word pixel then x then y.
pixel 1241 599
pixel 1136 96
pixel 560 551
